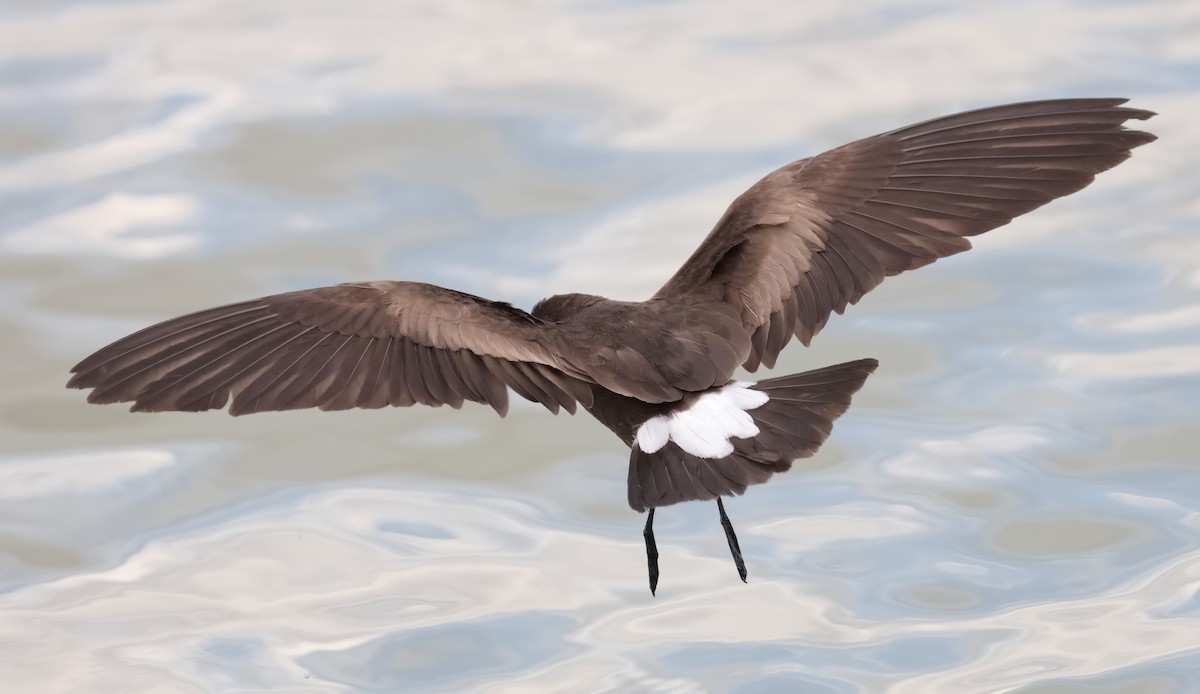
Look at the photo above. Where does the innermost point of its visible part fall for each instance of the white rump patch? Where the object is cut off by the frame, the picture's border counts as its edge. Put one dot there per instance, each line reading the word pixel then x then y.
pixel 705 428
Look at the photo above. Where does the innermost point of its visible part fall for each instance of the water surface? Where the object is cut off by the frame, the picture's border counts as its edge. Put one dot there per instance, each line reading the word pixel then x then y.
pixel 1012 504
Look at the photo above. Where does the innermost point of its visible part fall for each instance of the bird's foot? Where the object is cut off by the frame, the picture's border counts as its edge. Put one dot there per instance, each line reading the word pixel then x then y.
pixel 651 552
pixel 734 548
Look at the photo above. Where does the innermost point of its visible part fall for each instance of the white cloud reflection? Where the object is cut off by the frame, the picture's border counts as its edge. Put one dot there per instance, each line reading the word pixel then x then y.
pixel 1144 363
pixel 54 476
pixel 122 225
pixel 1151 322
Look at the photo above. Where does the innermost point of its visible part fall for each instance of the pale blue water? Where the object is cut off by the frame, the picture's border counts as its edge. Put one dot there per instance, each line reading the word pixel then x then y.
pixel 1012 504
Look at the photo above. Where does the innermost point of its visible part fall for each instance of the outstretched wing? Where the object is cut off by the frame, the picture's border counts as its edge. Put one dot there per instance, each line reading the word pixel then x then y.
pixel 364 345
pixel 817 234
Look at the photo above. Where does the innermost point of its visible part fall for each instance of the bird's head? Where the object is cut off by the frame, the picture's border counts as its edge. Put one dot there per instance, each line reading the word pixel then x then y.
pixel 560 306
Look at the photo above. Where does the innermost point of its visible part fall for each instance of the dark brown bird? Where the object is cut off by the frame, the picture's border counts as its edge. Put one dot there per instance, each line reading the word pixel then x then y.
pixel 807 240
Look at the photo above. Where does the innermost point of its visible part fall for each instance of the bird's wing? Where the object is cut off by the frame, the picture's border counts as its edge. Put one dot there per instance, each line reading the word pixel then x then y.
pixel 364 345
pixel 819 233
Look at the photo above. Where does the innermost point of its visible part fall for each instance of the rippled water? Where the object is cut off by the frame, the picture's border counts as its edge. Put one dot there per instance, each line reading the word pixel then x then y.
pixel 1012 504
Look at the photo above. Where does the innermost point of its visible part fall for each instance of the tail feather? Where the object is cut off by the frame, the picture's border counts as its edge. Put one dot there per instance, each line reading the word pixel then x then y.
pixel 794 421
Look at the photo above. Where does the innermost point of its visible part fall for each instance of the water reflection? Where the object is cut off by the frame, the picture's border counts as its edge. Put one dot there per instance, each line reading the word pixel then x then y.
pixel 1010 506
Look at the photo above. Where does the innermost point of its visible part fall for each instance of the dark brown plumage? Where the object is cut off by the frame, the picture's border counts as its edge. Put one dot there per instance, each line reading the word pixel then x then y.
pixel 805 241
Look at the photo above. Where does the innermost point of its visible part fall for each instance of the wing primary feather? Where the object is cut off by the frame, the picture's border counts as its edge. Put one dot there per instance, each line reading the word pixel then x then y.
pixel 1074 108
pixel 308 387
pixel 182 353
pixel 326 386
pixel 259 387
pixel 204 386
pixel 137 341
pixel 295 382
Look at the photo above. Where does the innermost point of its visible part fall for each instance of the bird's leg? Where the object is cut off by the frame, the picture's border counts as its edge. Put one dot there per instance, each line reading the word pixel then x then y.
pixel 733 543
pixel 651 552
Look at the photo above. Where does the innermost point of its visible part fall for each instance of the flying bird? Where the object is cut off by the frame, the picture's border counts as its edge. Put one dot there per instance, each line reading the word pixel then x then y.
pixel 807 240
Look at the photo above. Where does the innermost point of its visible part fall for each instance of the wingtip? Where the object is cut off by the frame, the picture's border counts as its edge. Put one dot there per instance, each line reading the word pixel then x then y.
pixel 84 377
pixel 1138 113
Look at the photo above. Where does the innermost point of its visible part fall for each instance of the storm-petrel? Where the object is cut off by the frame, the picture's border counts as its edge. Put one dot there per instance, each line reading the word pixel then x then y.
pixel 807 240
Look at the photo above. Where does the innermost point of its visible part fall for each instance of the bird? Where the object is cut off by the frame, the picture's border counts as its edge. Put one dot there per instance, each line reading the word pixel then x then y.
pixel 804 242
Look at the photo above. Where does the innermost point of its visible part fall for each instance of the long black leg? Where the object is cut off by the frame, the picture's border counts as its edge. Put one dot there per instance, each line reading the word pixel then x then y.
pixel 734 548
pixel 651 552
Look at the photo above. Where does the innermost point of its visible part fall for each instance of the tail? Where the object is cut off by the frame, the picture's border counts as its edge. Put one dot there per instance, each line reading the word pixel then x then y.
pixel 725 439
